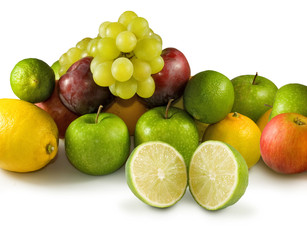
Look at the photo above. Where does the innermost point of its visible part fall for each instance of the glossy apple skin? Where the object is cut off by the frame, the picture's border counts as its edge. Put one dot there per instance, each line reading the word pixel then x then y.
pixel 291 97
pixel 97 148
pixel 283 143
pixel 252 98
pixel 57 110
pixel 178 130
pixel 171 80
pixel 78 91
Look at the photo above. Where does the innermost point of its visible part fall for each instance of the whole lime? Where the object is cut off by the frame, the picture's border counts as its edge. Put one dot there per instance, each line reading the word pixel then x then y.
pixel 32 80
pixel 208 96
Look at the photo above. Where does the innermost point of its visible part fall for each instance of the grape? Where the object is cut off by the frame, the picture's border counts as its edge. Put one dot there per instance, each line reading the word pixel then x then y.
pixel 92 47
pixel 126 17
pixel 102 29
pixel 122 69
pixel 126 41
pixel 102 74
pixel 95 62
pixel 112 89
pixel 124 55
pixel 68 58
pixel 156 36
pixel 147 49
pixel 63 69
pixel 146 89
pixel 156 64
pixel 113 29
pixel 83 43
pixel 126 90
pixel 74 54
pixel 139 26
pixel 107 49
pixel 63 59
pixel 141 69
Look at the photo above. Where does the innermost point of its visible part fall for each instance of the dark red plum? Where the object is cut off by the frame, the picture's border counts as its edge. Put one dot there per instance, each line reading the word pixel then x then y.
pixel 78 91
pixel 171 80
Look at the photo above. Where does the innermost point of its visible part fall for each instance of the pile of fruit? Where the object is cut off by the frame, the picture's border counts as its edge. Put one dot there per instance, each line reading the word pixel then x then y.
pixel 202 132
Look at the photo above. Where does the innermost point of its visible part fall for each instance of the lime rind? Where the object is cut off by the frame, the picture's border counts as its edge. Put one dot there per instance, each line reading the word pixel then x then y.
pixel 236 189
pixel 178 179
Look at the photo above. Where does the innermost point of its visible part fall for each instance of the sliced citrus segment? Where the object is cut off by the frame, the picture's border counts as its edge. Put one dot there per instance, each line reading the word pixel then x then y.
pixel 156 174
pixel 218 175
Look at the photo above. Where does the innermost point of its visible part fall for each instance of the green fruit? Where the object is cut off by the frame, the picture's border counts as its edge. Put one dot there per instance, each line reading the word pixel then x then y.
pixel 177 129
pixel 56 68
pixel 218 175
pixel 208 96
pixel 290 98
pixel 156 173
pixel 32 80
pixel 253 95
pixel 97 148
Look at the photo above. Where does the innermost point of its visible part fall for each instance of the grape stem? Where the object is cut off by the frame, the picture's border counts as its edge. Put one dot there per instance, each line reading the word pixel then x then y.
pixel 167 107
pixel 98 112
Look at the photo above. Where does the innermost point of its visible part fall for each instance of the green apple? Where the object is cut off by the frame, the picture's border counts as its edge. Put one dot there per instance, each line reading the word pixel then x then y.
pixel 97 144
pixel 253 95
pixel 171 125
pixel 290 98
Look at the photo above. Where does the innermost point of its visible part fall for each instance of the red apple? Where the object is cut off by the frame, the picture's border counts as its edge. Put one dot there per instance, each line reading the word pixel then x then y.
pixel 61 115
pixel 171 80
pixel 283 143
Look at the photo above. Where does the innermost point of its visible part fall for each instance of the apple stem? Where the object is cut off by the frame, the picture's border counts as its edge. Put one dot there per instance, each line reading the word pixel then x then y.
pixel 255 78
pixel 167 107
pixel 268 105
pixel 98 112
pixel 299 121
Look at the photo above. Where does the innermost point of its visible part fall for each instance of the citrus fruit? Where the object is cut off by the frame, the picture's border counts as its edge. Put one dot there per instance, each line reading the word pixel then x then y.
pixel 218 175
pixel 156 174
pixel 264 119
pixel 201 127
pixel 28 136
pixel 56 68
pixel 240 132
pixel 32 80
pixel 129 110
pixel 208 96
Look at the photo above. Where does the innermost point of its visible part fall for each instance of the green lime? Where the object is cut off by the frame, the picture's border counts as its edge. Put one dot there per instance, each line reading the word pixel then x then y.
pixel 32 80
pixel 208 96
pixel 156 174
pixel 56 68
pixel 218 175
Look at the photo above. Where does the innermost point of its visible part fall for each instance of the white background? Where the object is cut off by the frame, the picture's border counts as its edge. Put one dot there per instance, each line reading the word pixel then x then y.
pixel 232 37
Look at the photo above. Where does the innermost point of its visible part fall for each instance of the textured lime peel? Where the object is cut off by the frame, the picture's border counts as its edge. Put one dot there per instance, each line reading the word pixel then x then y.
pixel 156 173
pixel 218 175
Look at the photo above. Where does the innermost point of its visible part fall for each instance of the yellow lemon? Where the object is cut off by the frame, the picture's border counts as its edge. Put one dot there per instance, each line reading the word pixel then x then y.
pixel 28 136
pixel 240 132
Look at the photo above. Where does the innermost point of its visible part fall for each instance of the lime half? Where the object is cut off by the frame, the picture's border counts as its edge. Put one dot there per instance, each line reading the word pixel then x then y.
pixel 156 173
pixel 218 175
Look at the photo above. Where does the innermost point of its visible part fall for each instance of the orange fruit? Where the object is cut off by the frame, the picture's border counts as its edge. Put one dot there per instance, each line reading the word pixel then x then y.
pixel 130 110
pixel 240 132
pixel 264 119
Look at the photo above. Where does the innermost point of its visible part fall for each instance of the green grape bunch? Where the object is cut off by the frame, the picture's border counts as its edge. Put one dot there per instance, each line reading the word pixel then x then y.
pixel 125 55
